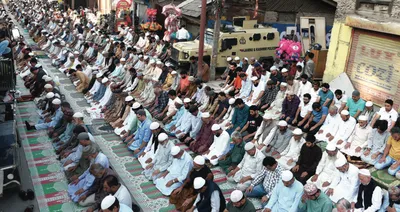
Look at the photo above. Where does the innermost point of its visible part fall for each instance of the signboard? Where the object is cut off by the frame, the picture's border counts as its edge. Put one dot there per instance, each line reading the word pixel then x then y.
pixel 374 66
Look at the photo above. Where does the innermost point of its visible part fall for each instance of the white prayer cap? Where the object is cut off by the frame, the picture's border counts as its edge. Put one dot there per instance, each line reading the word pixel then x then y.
pixel 331 146
pixel 48 86
pixel 186 100
pixel 198 182
pixel 146 57
pixel 147 34
pixel 174 72
pixel 231 101
pixel 128 98
pixel 175 150
pixel 267 116
pixel 282 123
pixel 191 79
pixel 178 101
pixel 215 127
pixel 107 39
pixel 136 105
pixel 273 68
pixel 130 30
pixel 56 102
pixel 284 70
pixel 290 93
pixel 249 146
pixel 122 59
pixel 43 30
pixel 199 160
pixel 51 37
pixel 54 41
pixel 344 112
pixel 57 95
pixel 76 52
pixel 236 196
pixel 31 54
pixel 48 79
pixel 63 43
pixel 205 115
pixel 104 80
pixel 247 59
pixel 49 95
pixel 78 115
pixel 363 118
pixel 237 58
pixel 287 175
pixel 365 172
pixel 369 104
pixel 154 125
pixel 340 162
pixel 229 59
pixel 99 75
pixel 284 84
pixel 162 137
pixel 254 78
pixel 140 56
pixel 297 131
pixel 107 202
pixel 159 62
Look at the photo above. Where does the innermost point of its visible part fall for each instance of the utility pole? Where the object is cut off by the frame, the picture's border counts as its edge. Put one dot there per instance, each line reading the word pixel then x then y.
pixel 217 28
pixel 202 32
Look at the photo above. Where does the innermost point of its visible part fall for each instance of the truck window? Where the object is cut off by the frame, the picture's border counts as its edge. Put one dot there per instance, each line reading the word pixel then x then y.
pixel 228 43
pixel 208 38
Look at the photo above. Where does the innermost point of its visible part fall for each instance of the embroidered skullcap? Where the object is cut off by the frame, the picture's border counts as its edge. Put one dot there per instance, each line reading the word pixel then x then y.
pixel 310 189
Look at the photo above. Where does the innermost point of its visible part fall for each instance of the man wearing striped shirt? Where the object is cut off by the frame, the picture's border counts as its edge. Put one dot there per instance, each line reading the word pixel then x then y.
pixel 265 181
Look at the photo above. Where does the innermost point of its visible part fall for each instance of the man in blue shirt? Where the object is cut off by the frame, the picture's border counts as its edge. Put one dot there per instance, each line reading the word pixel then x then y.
pixel 355 105
pixel 142 136
pixel 325 96
pixel 318 116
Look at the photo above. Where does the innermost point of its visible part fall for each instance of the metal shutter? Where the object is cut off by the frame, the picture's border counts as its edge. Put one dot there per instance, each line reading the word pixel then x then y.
pixel 374 66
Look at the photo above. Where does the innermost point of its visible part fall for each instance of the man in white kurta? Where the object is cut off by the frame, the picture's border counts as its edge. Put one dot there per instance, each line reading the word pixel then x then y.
pixel 148 154
pixel 345 182
pixel 246 171
pixel 376 199
pixel 162 158
pixel 330 126
pixel 256 93
pixel 326 167
pixel 219 145
pixel 344 131
pixel 176 173
pixel 288 158
pixel 276 106
pixel 228 115
pixel 359 138
pixel 266 131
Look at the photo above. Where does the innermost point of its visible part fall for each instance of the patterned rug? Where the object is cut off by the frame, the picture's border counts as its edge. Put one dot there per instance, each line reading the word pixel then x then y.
pixel 49 181
pixel 100 129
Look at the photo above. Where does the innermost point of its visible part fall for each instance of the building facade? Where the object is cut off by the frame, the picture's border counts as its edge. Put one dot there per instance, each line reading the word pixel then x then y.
pixel 365 44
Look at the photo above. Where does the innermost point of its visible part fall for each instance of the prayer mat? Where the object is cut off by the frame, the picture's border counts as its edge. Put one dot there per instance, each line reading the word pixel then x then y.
pixel 383 178
pixel 100 129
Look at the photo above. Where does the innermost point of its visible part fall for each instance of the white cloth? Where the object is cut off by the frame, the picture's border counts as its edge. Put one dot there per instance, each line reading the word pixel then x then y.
pixel 124 196
pixel 218 147
pixel 249 166
pixel 326 169
pixel 390 116
pixel 305 108
pixel 359 138
pixel 345 185
pixel 304 88
pixel 331 125
pixel 256 92
pixel 182 33
pixel 292 151
pixel 338 102
pixel 344 131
